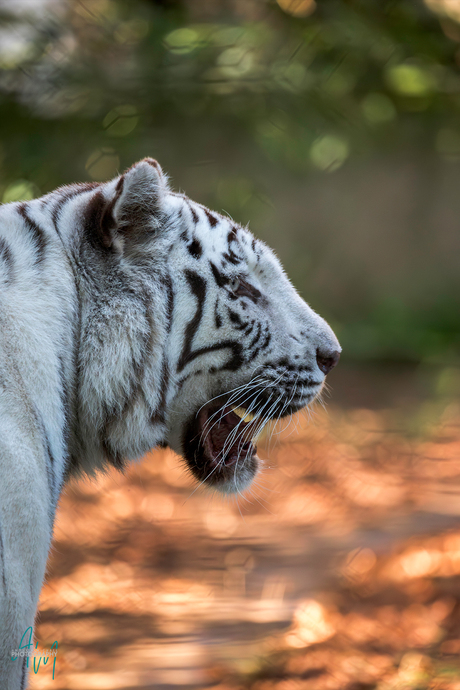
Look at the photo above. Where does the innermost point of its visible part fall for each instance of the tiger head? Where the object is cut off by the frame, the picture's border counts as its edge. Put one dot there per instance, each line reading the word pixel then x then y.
pixel 210 337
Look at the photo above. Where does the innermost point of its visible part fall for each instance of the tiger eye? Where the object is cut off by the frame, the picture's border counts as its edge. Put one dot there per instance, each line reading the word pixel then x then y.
pixel 245 289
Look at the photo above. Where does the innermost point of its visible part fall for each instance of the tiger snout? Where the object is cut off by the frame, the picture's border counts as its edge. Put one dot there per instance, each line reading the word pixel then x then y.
pixel 327 359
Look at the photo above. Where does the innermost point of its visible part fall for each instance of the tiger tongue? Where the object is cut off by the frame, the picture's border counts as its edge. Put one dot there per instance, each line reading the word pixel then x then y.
pixel 224 427
pixel 240 447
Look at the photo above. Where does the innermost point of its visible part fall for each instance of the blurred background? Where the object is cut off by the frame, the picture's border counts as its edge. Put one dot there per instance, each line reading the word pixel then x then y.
pixel 332 127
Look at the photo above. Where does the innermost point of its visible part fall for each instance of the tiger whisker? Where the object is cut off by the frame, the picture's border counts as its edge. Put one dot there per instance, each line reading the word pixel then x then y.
pixel 233 435
pixel 234 399
pixel 222 411
pixel 259 414
pixel 243 386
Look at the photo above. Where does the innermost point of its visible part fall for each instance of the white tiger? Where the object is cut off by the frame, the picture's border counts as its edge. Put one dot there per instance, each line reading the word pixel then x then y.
pixel 132 317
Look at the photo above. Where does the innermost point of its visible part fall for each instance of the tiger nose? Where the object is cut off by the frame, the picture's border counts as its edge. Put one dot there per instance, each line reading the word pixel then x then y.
pixel 327 360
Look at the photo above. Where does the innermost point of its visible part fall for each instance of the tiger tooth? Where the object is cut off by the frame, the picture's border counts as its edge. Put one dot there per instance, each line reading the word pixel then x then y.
pixel 243 414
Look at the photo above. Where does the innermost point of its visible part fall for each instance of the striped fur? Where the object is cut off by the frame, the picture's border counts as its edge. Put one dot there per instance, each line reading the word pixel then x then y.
pixel 124 308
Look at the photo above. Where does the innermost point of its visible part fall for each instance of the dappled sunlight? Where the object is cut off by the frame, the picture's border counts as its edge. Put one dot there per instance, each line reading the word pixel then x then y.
pixel 438 556
pixel 310 625
pixel 341 566
pixel 332 128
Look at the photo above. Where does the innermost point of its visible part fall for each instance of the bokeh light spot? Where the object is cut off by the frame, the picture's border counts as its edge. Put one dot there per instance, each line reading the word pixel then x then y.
pixel 329 152
pixel 121 121
pixel 20 190
pixel 448 8
pixel 378 108
pixel 102 164
pixel 298 8
pixel 410 80
pixel 310 623
pixel 182 41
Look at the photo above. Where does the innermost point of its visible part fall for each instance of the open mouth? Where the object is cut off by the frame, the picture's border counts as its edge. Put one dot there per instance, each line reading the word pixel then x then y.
pixel 218 441
pixel 219 446
pixel 227 437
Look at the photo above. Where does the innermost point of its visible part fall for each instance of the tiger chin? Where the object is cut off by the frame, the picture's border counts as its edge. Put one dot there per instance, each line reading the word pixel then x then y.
pixel 132 318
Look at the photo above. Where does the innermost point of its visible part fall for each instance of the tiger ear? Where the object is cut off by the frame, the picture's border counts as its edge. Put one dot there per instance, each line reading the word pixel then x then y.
pixel 132 207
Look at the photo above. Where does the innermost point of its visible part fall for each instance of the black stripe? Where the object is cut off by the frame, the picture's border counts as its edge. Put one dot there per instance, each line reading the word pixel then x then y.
pixel 7 257
pixel 267 340
pixel 232 257
pixel 256 337
pixel 194 214
pixel 137 376
pixel 100 224
pixel 195 249
pixel 65 400
pixel 250 328
pixel 65 194
pixel 219 277
pixel 217 316
pixel 262 347
pixel 236 319
pixel 68 193
pixel 212 219
pixel 24 671
pixel 51 479
pixel 38 234
pixel 73 461
pixel 2 556
pixel 159 416
pixel 198 286
pixel 170 302
pixel 49 465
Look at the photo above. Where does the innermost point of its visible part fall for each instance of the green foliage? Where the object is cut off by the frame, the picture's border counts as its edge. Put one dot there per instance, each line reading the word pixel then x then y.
pixel 88 87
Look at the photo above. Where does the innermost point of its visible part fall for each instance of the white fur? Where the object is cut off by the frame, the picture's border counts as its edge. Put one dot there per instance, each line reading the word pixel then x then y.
pixel 89 356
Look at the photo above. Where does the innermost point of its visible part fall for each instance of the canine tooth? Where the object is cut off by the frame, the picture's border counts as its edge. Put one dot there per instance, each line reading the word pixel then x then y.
pixel 243 414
